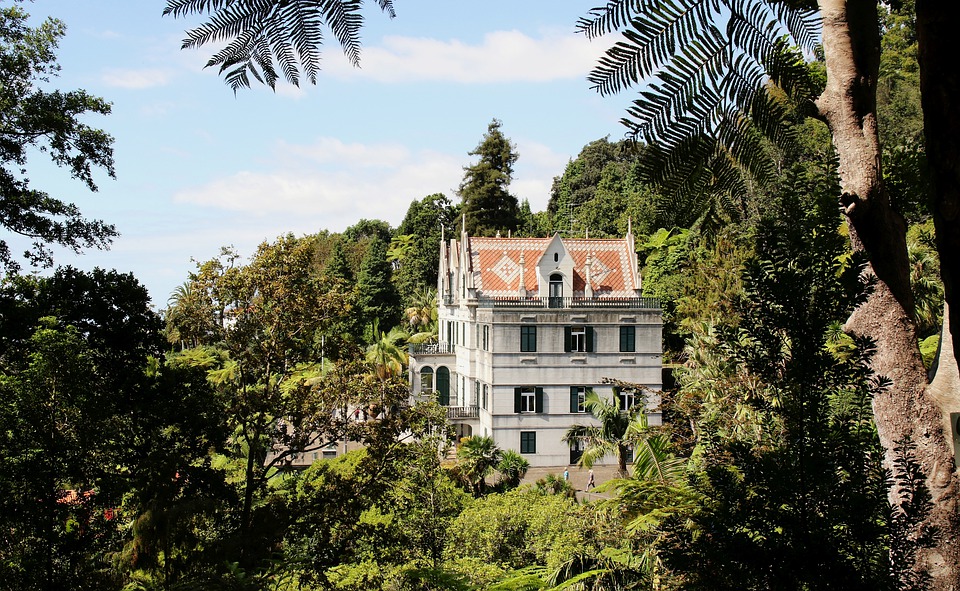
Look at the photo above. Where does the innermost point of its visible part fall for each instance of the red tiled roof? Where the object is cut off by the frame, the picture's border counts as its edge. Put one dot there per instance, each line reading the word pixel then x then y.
pixel 496 265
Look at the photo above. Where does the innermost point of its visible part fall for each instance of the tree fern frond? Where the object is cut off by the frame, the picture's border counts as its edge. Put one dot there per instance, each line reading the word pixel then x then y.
pixel 606 19
pixel 285 35
pixel 178 8
pixel 803 23
pixel 706 92
pixel 306 36
pixel 344 19
pixel 651 42
pixel 387 7
pixel 284 52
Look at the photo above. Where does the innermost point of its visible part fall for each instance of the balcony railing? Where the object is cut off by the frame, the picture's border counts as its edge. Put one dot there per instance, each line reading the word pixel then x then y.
pixel 463 412
pixel 431 349
pixel 568 303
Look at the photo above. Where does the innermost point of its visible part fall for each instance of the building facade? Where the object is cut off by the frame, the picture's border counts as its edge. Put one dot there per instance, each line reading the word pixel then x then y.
pixel 526 327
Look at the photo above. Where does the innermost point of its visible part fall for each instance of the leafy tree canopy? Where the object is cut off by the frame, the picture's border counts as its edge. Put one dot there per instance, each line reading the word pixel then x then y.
pixel 34 119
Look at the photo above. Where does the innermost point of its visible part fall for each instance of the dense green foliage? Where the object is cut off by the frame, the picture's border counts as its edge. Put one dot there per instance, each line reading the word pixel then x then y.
pixel 190 455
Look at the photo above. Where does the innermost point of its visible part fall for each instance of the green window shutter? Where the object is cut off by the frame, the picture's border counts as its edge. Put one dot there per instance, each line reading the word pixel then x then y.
pixel 574 399
pixel 539 400
pixel 516 400
pixel 566 339
pixel 589 331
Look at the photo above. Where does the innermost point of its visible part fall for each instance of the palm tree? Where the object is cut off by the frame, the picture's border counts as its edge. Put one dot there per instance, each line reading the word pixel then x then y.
pixel 512 467
pixel 477 457
pixel 387 354
pixel 612 436
pixel 421 315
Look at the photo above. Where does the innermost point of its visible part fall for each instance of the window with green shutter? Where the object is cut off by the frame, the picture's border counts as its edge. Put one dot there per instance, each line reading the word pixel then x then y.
pixel 528 339
pixel 578 396
pixel 628 339
pixel 528 442
pixel 578 339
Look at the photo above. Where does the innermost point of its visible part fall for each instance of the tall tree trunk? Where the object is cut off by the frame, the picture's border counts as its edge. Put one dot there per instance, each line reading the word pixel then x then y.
pixel 905 410
pixel 937 22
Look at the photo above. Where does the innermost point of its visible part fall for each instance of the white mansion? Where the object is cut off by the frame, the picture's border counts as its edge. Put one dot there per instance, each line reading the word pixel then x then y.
pixel 526 326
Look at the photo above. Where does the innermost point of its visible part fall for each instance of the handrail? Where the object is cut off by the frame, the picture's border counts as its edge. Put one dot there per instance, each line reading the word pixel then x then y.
pixel 463 412
pixel 570 302
pixel 431 349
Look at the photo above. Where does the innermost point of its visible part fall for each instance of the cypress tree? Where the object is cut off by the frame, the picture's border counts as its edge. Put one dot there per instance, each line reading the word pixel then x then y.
pixel 376 295
pixel 487 205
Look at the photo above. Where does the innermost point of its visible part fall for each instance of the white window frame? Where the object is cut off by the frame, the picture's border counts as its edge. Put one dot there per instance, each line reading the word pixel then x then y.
pixel 627 399
pixel 578 339
pixel 581 398
pixel 528 399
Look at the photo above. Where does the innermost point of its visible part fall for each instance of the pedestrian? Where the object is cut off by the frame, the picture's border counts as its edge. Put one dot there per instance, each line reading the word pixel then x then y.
pixel 590 481
pixel 566 475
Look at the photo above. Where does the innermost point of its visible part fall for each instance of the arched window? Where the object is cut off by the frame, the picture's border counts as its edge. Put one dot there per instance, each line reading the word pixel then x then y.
pixel 556 290
pixel 443 386
pixel 426 379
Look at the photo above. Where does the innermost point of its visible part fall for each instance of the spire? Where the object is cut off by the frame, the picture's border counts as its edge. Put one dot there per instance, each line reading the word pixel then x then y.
pixel 521 287
pixel 588 283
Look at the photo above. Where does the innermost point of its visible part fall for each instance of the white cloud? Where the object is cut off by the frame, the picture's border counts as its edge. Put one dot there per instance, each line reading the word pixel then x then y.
pixel 136 79
pixel 502 56
pixel 533 178
pixel 333 183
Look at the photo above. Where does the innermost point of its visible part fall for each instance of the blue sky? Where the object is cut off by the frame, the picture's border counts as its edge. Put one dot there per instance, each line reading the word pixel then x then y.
pixel 199 168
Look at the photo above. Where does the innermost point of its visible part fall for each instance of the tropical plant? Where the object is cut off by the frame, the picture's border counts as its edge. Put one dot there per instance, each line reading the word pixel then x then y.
pixel 715 99
pixel 613 436
pixel 477 456
pixel 421 315
pixel 512 467
pixel 387 354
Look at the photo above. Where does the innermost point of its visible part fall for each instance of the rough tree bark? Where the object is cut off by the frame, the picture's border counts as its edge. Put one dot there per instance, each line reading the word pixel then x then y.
pixel 908 408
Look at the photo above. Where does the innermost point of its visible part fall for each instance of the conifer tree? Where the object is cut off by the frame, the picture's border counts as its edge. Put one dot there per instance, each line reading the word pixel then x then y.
pixel 376 295
pixel 487 205
pixel 337 267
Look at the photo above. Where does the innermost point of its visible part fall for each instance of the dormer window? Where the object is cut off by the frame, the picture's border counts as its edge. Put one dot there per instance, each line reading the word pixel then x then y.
pixel 556 291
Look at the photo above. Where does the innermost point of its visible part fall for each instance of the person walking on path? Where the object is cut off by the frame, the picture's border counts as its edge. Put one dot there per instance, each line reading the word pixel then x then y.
pixel 590 481
pixel 566 474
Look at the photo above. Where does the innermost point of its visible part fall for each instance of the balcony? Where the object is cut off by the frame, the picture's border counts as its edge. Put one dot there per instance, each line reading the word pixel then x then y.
pixel 431 349
pixel 571 303
pixel 463 412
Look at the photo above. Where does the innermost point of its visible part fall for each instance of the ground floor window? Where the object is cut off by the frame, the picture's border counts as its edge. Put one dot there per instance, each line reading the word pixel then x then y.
pixel 528 442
